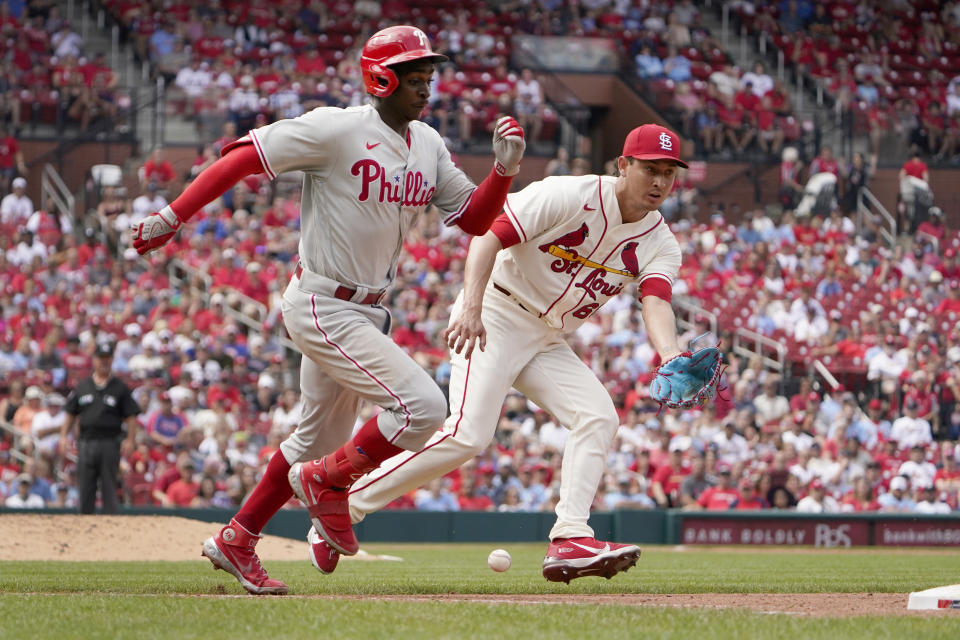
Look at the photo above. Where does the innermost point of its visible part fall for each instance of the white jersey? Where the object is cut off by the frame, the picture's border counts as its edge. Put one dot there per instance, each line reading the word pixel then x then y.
pixel 579 215
pixel 363 187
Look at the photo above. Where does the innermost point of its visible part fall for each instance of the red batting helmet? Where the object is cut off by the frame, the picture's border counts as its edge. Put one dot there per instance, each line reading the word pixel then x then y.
pixel 388 47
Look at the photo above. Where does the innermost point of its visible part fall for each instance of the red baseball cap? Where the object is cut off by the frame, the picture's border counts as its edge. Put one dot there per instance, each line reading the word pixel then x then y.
pixel 653 142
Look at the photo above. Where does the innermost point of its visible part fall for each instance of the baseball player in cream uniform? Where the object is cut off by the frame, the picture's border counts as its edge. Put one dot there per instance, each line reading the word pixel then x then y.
pixel 368 173
pixel 562 248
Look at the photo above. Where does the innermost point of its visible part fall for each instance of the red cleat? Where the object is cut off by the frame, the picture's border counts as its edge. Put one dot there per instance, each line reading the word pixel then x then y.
pixel 328 507
pixel 322 555
pixel 232 551
pixel 569 558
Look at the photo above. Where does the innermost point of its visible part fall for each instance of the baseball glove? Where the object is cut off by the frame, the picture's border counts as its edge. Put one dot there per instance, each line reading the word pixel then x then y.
pixel 687 379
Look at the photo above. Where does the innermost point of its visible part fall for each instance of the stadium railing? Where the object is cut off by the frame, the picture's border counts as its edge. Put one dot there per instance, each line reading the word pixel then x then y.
pixel 869 206
pixel 772 353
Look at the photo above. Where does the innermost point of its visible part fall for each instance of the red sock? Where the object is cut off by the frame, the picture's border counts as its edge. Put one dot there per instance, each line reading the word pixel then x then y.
pixel 271 493
pixel 362 454
pixel 371 443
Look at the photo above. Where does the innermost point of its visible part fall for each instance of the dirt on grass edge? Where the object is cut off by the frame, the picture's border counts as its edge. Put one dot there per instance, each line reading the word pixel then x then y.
pixel 42 537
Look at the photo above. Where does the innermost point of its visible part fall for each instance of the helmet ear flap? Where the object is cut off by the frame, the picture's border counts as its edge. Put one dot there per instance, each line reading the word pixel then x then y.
pixel 380 81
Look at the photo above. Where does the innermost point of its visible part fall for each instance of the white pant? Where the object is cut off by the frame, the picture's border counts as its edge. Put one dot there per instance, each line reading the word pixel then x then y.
pixel 349 358
pixel 523 352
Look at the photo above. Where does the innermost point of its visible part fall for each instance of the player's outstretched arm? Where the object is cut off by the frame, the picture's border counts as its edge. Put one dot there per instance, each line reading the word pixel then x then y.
pixel 158 228
pixel 661 324
pixel 486 203
pixel 466 328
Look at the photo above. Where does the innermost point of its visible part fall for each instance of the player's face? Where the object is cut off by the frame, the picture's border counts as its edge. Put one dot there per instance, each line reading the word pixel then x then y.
pixel 648 182
pixel 410 98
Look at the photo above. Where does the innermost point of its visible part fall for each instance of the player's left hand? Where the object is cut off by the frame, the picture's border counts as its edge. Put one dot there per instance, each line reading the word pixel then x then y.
pixel 465 331
pixel 508 146
pixel 155 230
pixel 687 379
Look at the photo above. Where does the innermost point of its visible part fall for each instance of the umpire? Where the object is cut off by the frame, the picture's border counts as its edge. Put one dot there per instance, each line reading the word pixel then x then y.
pixel 100 404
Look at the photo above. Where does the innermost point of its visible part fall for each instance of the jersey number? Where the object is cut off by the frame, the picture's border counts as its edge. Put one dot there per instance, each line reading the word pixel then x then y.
pixel 585 310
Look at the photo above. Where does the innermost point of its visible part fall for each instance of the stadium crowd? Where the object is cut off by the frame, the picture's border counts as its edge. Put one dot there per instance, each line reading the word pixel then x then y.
pixel 47 76
pixel 218 396
pixel 890 68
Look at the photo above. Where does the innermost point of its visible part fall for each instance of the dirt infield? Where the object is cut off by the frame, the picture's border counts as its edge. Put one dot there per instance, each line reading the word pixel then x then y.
pixel 106 539
pixel 820 605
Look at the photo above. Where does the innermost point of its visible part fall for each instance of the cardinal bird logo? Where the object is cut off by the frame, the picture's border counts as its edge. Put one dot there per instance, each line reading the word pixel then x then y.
pixel 568 240
pixel 629 257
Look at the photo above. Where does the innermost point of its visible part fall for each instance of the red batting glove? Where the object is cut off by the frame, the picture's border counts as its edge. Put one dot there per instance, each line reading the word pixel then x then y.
pixel 155 230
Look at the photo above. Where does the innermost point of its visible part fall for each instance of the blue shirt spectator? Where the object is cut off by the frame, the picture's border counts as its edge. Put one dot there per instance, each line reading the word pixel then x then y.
pixel 677 68
pixel 791 17
pixel 622 498
pixel 898 498
pixel 868 92
pixel 829 287
pixel 161 43
pixel 436 498
pixel 648 65
pixel 216 224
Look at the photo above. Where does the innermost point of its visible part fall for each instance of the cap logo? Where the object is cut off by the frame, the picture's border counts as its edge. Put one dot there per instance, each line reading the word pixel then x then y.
pixel 666 142
pixel 421 36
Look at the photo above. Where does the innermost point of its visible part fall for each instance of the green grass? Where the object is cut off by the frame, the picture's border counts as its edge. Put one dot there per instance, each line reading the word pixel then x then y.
pixel 155 600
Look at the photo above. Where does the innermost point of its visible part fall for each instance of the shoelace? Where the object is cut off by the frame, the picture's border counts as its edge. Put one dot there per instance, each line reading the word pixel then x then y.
pixel 257 569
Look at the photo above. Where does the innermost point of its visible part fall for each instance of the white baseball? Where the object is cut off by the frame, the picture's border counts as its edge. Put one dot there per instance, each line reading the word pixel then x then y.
pixel 499 560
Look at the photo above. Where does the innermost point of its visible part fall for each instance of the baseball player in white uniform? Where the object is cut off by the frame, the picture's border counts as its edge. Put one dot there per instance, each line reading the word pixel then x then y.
pixel 562 248
pixel 368 173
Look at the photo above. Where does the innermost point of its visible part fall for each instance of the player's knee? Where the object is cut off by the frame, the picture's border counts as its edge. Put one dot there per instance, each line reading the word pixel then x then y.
pixel 605 421
pixel 430 410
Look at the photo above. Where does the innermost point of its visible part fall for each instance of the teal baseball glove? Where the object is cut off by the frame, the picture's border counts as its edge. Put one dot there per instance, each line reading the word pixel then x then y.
pixel 688 379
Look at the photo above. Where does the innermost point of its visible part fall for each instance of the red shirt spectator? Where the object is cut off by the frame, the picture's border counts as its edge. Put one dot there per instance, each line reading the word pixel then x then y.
pixel 933 228
pixel 9 152
pixel 756 502
pixel 952 302
pixel 158 170
pixel 851 503
pixel 223 394
pixel 825 163
pixel 669 476
pixel 779 102
pixel 182 492
pixel 851 348
pixel 804 233
pixel 501 82
pixel 310 63
pixel 37 79
pixel 475 503
pixel 163 482
pixel 209 47
pixel 948 476
pixel 765 120
pixel 718 498
pixel 731 116
pixel 267 81
pixel 915 167
pixel 749 499
pixel 747 99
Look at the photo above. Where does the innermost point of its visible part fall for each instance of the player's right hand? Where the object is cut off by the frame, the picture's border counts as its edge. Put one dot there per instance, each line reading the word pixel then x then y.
pixel 465 331
pixel 508 146
pixel 155 230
